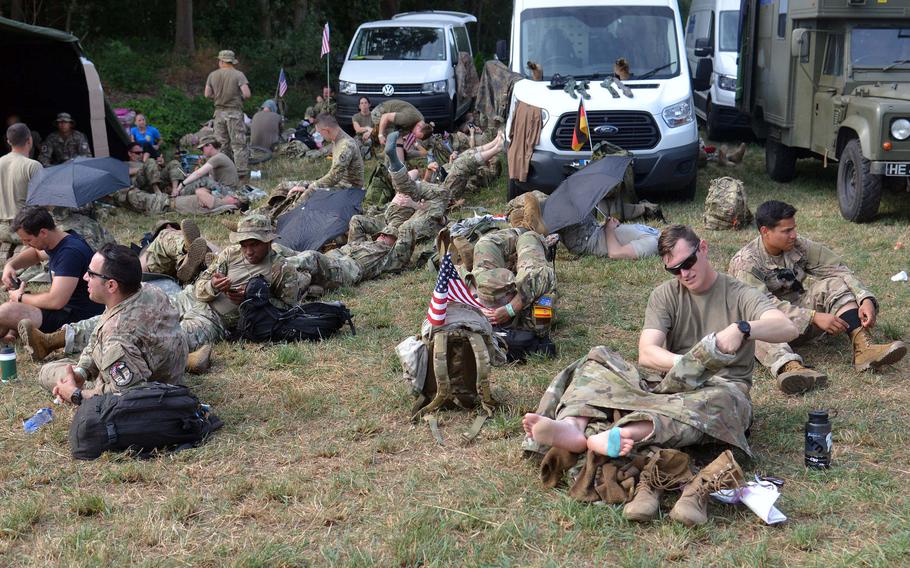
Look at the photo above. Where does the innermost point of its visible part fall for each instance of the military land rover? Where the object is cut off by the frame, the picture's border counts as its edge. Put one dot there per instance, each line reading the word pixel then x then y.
pixel 830 79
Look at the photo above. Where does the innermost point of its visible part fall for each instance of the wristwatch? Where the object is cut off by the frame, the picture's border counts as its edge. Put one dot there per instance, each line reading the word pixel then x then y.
pixel 744 328
pixel 76 397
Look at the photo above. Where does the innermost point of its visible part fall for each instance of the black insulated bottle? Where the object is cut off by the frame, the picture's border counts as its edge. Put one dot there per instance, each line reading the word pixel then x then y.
pixel 818 440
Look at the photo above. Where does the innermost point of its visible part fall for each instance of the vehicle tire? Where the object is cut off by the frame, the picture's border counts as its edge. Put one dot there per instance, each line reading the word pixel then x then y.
pixel 712 129
pixel 514 190
pixel 780 161
pixel 687 192
pixel 859 191
pixel 258 155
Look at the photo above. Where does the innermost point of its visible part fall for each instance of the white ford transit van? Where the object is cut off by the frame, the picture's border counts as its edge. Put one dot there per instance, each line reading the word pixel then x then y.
pixel 712 31
pixel 582 39
pixel 411 57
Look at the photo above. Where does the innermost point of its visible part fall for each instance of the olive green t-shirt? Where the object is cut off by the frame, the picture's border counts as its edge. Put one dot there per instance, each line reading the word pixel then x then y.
pixel 686 317
pixel 223 170
pixel 225 84
pixel 406 114
pixel 363 120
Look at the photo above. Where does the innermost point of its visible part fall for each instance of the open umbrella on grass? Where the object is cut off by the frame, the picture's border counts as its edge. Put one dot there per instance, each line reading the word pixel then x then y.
pixel 578 194
pixel 321 218
pixel 78 182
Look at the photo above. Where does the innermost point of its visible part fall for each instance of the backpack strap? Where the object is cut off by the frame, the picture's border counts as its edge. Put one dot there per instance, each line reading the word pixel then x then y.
pixel 441 371
pixel 487 402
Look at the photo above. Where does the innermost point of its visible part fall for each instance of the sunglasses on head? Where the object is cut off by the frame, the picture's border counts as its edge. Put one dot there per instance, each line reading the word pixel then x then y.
pixel 686 264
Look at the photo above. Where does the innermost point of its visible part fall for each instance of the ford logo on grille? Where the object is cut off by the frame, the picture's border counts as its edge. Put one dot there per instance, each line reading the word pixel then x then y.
pixel 388 90
pixel 606 130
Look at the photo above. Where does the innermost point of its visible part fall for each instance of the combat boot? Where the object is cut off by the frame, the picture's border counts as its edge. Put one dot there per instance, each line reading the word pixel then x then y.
pixel 190 231
pixel 692 507
pixel 199 360
pixel 532 216
pixel 195 257
pixel 666 469
pixel 652 211
pixel 736 156
pixel 39 344
pixel 230 224
pixel 867 354
pixel 794 378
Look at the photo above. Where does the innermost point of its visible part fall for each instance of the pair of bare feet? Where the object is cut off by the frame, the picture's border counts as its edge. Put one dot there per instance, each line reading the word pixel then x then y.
pixel 569 434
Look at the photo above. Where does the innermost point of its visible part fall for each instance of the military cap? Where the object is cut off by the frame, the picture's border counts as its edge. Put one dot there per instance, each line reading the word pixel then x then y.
pixel 495 287
pixel 65 117
pixel 206 140
pixel 227 56
pixel 256 227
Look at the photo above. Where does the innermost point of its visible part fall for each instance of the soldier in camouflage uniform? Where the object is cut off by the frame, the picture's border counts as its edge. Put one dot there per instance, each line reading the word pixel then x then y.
pixel 177 250
pixel 65 144
pixel 601 404
pixel 137 338
pixel 510 274
pixel 88 228
pixel 145 178
pixel 325 103
pixel 346 171
pixel 228 87
pixel 816 290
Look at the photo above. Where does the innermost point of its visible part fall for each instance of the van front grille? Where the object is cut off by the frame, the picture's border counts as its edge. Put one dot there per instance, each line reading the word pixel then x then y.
pixel 635 130
pixel 400 88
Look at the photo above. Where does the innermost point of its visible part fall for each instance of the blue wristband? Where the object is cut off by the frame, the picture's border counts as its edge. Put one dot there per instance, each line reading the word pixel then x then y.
pixel 510 310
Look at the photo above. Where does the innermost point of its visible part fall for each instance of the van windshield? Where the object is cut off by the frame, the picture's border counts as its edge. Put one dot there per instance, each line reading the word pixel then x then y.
pixel 587 40
pixel 410 44
pixel 881 48
pixel 729 30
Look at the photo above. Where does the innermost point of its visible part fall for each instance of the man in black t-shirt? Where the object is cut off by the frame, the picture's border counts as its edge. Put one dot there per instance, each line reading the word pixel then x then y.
pixel 68 256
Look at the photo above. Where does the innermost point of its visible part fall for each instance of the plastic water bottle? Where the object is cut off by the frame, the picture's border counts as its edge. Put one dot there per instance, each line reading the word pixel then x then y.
pixel 317 137
pixel 42 417
pixel 7 364
pixel 818 440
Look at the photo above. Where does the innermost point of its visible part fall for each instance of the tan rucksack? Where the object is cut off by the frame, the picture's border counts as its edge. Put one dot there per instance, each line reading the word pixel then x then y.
pixel 726 206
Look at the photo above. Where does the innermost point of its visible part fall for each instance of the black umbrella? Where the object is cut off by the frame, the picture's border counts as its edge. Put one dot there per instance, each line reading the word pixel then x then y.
pixel 578 194
pixel 78 182
pixel 321 218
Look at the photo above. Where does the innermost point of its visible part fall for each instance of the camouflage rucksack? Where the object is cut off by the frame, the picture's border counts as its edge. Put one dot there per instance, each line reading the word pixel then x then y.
pixel 448 366
pixel 726 206
pixel 459 239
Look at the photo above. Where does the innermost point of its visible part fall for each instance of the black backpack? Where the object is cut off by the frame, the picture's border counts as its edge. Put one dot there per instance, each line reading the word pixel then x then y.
pixel 522 343
pixel 261 321
pixel 142 419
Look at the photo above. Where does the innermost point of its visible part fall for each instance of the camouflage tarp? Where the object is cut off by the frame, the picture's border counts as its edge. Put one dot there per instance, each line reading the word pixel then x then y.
pixel 494 94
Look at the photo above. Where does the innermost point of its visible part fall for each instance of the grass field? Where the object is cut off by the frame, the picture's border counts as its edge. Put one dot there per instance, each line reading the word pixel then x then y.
pixel 318 465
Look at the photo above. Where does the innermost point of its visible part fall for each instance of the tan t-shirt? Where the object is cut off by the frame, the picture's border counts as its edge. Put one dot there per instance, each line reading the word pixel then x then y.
pixel 223 170
pixel 406 114
pixel 265 129
pixel 686 317
pixel 362 120
pixel 15 172
pixel 225 84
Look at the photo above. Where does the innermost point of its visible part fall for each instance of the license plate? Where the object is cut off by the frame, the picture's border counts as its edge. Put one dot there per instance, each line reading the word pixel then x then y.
pixel 896 168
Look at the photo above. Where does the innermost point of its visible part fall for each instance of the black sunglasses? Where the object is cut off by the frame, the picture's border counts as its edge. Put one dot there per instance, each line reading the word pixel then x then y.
pixel 93 274
pixel 686 264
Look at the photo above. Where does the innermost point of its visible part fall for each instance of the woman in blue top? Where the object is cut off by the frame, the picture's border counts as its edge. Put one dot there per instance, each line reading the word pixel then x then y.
pixel 142 132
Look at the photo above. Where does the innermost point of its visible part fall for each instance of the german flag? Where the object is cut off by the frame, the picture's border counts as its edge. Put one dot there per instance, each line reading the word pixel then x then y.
pixel 580 135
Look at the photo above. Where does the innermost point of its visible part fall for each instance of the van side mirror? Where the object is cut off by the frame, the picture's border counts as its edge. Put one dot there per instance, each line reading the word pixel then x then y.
pixel 799 44
pixel 703 47
pixel 502 51
pixel 702 79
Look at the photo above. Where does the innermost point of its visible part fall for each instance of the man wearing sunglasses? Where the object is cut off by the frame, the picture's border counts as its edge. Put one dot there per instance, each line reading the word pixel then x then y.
pixel 67 255
pixel 137 339
pixel 816 290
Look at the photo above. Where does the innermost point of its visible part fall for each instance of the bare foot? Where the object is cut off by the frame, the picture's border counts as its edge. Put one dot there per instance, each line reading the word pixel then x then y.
pixel 564 434
pixel 598 442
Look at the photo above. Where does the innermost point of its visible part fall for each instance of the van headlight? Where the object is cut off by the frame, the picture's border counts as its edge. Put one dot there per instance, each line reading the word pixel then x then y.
pixel 347 87
pixel 436 86
pixel 678 114
pixel 544 117
pixel 726 83
pixel 900 129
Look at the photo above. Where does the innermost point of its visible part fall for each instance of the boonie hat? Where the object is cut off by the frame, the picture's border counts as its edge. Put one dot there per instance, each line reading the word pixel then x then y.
pixel 495 287
pixel 206 140
pixel 64 117
pixel 256 227
pixel 227 56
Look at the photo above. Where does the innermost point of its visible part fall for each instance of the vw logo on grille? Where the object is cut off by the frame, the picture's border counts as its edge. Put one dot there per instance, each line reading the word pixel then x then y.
pixel 606 129
pixel 388 90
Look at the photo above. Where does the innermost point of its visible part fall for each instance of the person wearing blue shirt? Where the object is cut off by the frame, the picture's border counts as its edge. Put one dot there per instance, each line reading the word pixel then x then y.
pixel 67 255
pixel 143 132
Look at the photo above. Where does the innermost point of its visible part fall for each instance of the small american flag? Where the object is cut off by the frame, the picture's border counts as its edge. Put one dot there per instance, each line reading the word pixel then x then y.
pixel 449 288
pixel 282 83
pixel 325 40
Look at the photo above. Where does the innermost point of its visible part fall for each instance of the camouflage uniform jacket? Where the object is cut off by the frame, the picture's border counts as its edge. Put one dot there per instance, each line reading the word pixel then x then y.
pixel 347 165
pixel 148 176
pixel 327 106
pixel 785 277
pixel 56 149
pixel 137 340
pixel 284 282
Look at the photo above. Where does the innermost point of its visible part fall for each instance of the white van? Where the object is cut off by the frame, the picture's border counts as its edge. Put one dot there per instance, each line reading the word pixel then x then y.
pixel 411 57
pixel 712 31
pixel 582 39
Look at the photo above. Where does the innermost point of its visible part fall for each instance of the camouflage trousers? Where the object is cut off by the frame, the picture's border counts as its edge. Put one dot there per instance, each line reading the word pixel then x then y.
pixel 10 243
pixel 329 271
pixel 231 132
pixel 829 296
pixel 690 405
pixel 461 172
pixel 172 172
pixel 279 202
pixel 366 227
pixel 198 321
pixel 166 253
pixel 144 201
pixel 207 182
pixel 521 252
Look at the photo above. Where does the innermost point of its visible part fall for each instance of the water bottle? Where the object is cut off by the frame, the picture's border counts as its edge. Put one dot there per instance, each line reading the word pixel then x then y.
pixel 42 417
pixel 317 137
pixel 7 364
pixel 818 440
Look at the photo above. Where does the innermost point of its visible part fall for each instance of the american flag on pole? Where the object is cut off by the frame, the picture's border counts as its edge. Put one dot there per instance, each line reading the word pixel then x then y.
pixel 325 40
pixel 282 83
pixel 449 288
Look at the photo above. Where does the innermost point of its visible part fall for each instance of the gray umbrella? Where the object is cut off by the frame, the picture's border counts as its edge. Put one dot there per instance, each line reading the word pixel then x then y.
pixel 78 182
pixel 321 218
pixel 578 194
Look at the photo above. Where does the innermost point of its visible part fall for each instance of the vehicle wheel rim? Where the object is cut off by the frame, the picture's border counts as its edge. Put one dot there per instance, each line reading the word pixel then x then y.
pixel 850 180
